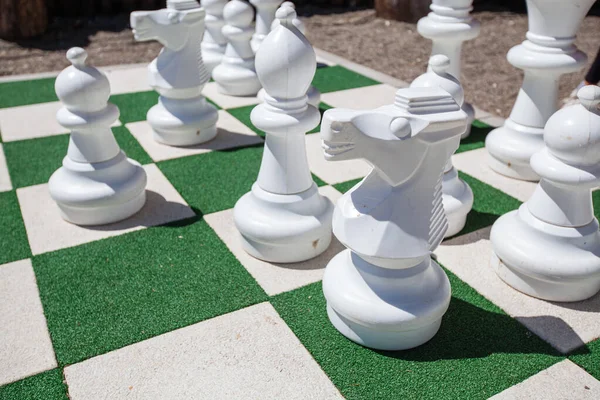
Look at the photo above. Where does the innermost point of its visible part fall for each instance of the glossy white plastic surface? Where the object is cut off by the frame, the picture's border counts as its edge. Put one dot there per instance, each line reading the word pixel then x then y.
pixel 265 15
pixel 213 43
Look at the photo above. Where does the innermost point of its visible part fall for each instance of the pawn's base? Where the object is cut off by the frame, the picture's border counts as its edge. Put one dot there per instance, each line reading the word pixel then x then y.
pixel 237 79
pixel 211 59
pixel 284 228
pixel 382 308
pixel 102 215
pixel 458 201
pixel 546 261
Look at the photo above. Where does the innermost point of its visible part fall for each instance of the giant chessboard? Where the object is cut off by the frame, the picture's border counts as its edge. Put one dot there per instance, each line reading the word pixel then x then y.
pixel 166 305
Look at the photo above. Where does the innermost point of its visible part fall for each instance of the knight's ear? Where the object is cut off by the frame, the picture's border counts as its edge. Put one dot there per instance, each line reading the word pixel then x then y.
pixel 400 127
pixel 173 17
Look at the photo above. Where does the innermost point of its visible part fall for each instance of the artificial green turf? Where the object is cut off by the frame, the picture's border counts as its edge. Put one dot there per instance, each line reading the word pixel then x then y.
pixel 14 244
pixel 478 352
pixel 33 161
pixel 345 186
pixel 44 386
pixel 588 357
pixel 21 93
pixel 476 139
pixel 107 294
pixel 134 106
pixel 332 79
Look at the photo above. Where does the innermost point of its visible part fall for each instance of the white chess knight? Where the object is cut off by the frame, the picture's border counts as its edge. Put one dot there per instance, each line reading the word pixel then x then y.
pixel 213 43
pixel 385 291
pixel 548 53
pixel 285 218
pixel 236 75
pixel 97 184
pixel 265 15
pixel 448 25
pixel 182 116
pixel 550 247
pixel 457 195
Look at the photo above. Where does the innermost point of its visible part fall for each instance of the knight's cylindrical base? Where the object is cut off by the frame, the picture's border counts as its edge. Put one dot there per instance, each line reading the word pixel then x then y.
pixel 458 201
pixel 382 308
pixel 99 193
pixel 546 261
pixel 284 228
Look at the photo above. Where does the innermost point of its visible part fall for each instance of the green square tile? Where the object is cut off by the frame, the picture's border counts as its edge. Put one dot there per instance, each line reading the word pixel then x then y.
pixel 476 139
pixel 33 161
pixel 320 182
pixel 14 244
pixel 214 181
pixel 21 93
pixel 588 357
pixel 345 186
pixel 478 352
pixel 45 386
pixel 134 106
pixel 333 79
pixel 243 115
pixel 111 293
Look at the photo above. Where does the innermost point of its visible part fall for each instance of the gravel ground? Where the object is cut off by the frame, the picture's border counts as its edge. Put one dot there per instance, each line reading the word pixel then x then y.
pixel 394 48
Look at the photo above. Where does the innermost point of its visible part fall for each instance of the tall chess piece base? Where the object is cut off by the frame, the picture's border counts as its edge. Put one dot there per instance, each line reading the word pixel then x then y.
pixel 458 200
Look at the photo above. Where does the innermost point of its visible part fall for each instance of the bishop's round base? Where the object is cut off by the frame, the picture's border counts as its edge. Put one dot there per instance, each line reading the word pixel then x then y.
pixel 385 309
pixel 99 193
pixel 458 201
pixel 546 261
pixel 284 228
pixel 511 146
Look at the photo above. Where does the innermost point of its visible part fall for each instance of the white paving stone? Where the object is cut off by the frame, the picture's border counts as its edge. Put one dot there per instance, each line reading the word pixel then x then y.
pixel 247 354
pixel 565 326
pixel 231 133
pixel 47 231
pixel 361 98
pixel 332 172
pixel 5 184
pixel 274 278
pixel 562 381
pixel 128 80
pixel 493 120
pixel 32 121
pixel 25 345
pixel 225 101
pixel 475 163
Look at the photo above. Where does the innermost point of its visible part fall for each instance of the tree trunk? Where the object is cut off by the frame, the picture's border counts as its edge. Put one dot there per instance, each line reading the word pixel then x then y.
pixel 22 18
pixel 402 10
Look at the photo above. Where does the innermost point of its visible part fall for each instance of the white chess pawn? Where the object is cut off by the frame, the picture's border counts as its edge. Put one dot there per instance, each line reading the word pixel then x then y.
pixel 314 96
pixel 385 291
pixel 236 76
pixel 457 195
pixel 547 53
pixel 284 218
pixel 214 43
pixel 550 247
pixel 182 116
pixel 97 184
pixel 265 15
pixel 448 25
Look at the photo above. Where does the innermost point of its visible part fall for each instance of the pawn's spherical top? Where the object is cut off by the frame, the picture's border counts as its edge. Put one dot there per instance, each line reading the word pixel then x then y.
pixel 81 87
pixel 438 75
pixel 238 13
pixel 286 62
pixel 573 133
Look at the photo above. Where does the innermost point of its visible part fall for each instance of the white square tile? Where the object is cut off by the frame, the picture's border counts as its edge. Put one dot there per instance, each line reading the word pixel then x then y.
pixel 475 163
pixel 493 120
pixel 363 98
pixel 274 278
pixel 32 121
pixel 247 354
pixel 225 101
pixel 565 326
pixel 479 113
pixel 332 172
pixel 564 380
pixel 231 133
pixel 5 184
pixel 128 80
pixel 47 231
pixel 25 345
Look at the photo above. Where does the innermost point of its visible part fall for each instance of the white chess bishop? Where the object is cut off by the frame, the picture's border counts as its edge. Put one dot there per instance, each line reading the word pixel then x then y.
pixel 457 195
pixel 385 291
pixel 213 43
pixel 285 218
pixel 550 247
pixel 182 116
pixel 236 75
pixel 97 184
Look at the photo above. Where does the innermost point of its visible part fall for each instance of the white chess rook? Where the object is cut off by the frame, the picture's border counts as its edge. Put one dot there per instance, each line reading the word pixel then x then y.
pixel 182 116
pixel 448 25
pixel 550 247
pixel 97 184
pixel 457 195
pixel 265 15
pixel 284 218
pixel 548 53
pixel 385 291
pixel 213 43
pixel 236 76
